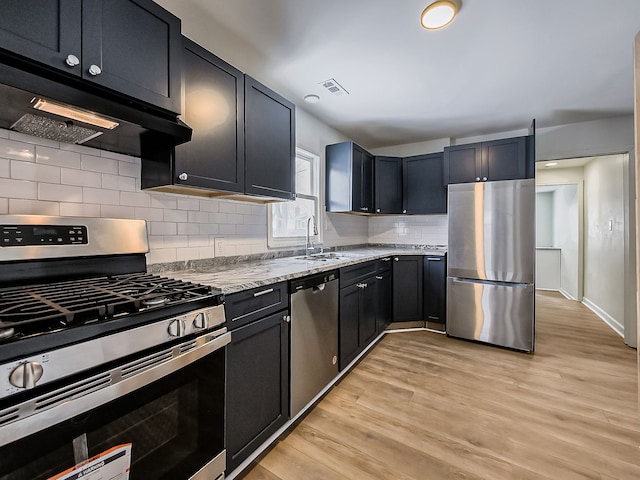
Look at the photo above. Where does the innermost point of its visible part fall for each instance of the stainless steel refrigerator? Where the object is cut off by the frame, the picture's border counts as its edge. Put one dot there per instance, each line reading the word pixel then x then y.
pixel 491 263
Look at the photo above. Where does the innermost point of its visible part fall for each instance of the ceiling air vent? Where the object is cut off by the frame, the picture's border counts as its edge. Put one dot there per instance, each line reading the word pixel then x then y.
pixel 334 87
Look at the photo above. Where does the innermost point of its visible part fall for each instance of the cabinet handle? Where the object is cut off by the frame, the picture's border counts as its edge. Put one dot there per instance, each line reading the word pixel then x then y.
pixel 361 285
pixel 379 277
pixel 484 179
pixel 477 179
pixel 431 259
pixel 72 60
pixel 94 70
pixel 388 259
pixel 287 318
pixel 404 211
pixel 263 292
pixel 377 210
pixel 183 176
pixel 396 259
pixel 365 209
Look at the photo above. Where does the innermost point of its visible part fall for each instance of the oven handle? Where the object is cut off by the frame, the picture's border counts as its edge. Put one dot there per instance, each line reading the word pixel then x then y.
pixel 118 388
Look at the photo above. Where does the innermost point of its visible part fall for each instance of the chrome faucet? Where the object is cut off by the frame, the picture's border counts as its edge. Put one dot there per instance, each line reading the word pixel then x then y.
pixel 309 245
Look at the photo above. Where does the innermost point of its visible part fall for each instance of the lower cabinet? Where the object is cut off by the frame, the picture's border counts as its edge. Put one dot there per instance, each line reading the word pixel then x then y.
pixel 435 287
pixel 357 324
pixel 407 288
pixel 384 292
pixel 257 399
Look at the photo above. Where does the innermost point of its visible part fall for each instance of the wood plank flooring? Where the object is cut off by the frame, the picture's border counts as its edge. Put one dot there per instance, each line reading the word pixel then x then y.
pixel 424 406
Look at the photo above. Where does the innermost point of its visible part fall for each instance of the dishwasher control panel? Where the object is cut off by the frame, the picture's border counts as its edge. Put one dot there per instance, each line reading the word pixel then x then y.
pixel 313 281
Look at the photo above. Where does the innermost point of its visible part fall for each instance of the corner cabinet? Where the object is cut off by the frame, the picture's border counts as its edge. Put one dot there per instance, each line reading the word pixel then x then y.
pixel 349 178
pixel 505 159
pixel 424 190
pixel 128 46
pixel 243 141
pixel 270 144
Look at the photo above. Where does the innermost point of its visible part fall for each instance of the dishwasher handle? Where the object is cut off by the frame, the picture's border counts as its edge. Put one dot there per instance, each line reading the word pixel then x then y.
pixel 316 282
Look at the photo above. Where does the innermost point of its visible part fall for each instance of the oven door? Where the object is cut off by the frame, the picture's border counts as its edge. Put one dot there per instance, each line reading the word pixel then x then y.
pixel 171 412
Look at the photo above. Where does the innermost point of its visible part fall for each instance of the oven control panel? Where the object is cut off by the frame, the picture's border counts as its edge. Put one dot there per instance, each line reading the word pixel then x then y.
pixel 31 235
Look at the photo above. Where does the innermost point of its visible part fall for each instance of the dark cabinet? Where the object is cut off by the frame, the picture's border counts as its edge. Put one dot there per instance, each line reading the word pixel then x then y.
pixel 349 178
pixel 357 319
pixel 424 190
pixel 214 108
pixel 384 292
pixel 270 146
pixel 243 140
pixel 504 159
pixel 435 282
pixel 257 400
pixel 407 288
pixel 128 46
pixel 388 185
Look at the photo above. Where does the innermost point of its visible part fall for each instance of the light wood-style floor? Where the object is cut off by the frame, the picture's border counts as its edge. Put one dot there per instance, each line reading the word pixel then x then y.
pixel 424 406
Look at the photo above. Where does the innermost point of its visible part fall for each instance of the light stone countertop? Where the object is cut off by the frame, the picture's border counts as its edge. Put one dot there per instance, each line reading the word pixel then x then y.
pixel 236 277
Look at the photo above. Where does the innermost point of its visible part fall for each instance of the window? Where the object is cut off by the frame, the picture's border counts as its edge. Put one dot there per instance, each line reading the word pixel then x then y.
pixel 288 220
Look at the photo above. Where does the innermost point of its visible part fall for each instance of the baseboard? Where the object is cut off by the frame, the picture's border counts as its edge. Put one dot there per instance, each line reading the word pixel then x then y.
pixel 604 316
pixel 566 294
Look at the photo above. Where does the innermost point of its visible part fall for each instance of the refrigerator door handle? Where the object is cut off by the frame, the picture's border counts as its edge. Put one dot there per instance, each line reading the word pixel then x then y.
pixel 489 282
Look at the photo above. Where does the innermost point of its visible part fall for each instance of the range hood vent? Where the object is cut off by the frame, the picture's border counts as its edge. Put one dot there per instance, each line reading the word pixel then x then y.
pixel 23 85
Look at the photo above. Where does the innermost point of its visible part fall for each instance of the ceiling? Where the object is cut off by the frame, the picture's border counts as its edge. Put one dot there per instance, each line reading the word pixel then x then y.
pixel 497 66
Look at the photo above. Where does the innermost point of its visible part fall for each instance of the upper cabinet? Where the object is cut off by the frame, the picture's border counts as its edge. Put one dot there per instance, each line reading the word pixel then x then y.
pixel 388 185
pixel 349 178
pixel 243 140
pixel 128 46
pixel 505 159
pixel 270 145
pixel 424 191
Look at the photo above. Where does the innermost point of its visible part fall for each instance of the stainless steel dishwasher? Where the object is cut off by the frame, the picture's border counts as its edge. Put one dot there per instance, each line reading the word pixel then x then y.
pixel 314 336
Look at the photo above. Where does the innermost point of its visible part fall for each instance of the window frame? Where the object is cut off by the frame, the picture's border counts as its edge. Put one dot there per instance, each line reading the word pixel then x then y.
pixel 297 241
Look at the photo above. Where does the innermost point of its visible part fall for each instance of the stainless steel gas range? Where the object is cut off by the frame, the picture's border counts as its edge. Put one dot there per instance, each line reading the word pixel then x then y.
pixel 103 366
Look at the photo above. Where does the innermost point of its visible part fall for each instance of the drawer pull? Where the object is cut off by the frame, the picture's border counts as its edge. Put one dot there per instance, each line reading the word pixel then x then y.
pixel 388 259
pixel 379 277
pixel 263 292
pixel 430 259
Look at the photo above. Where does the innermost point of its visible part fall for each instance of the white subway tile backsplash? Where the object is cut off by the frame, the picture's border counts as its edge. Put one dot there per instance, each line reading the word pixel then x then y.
pixel 101 196
pixel 209 205
pixel 57 157
pixel 206 252
pixel 34 172
pixel 209 228
pixel 227 206
pixel 129 169
pixel 81 149
pixel 162 255
pixel 198 217
pixel 188 229
pixel 149 214
pixel 199 241
pixel 116 182
pixel 118 156
pixel 217 218
pixel 187 253
pixel 134 199
pixel 175 215
pixel 159 200
pixel 5 171
pixel 18 188
pixel 163 228
pixel 79 210
pixel 156 241
pixel 115 211
pixel 19 206
pixel 227 229
pixel 59 193
pixel 94 163
pixel 175 241
pixel 235 218
pixel 16 150
pixel 4 202
pixel 80 178
pixel 187 203
pixel 29 140
pixel 243 209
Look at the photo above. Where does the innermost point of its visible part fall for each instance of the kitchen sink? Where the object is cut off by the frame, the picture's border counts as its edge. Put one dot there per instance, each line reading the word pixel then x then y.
pixel 321 257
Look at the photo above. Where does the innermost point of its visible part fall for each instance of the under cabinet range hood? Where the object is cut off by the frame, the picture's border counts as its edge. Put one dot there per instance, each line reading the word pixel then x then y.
pixel 49 105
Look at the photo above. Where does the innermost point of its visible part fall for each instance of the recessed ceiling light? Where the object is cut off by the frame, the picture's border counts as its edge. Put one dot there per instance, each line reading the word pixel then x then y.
pixel 439 14
pixel 551 164
pixel 311 98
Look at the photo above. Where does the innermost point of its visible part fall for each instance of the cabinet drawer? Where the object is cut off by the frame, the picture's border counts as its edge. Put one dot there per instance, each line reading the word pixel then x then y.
pixel 355 273
pixel 244 307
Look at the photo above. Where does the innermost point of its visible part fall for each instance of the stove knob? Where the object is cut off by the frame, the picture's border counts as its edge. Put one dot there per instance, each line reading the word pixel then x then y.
pixel 201 320
pixel 26 375
pixel 177 328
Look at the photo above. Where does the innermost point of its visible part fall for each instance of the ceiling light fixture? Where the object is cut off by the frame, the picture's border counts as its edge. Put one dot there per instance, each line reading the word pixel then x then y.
pixel 311 98
pixel 551 164
pixel 439 14
pixel 73 113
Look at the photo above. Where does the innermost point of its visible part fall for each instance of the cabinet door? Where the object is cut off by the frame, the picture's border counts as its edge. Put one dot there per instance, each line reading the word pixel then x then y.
pixel 45 31
pixel 269 142
pixel 362 181
pixel 367 317
pixel 424 189
pixel 133 47
pixel 435 284
pixel 257 385
pixel 388 184
pixel 383 300
pixel 407 288
pixel 348 324
pixel 213 107
pixel 367 183
pixel 462 163
pixel 504 159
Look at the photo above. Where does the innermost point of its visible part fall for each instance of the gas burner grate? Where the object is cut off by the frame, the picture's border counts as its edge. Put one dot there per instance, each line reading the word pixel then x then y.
pixel 35 308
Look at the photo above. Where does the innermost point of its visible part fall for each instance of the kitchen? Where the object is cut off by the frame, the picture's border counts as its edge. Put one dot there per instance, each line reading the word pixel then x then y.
pixel 49 178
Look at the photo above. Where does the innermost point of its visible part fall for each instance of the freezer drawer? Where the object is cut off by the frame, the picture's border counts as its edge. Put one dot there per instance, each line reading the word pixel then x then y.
pixel 495 313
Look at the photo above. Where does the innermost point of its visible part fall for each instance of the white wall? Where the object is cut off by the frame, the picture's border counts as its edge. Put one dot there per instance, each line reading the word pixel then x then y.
pixel 604 238
pixel 566 237
pixel 544 219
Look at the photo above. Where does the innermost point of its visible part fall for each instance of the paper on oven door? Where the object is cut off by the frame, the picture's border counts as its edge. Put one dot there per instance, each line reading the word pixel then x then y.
pixel 112 464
